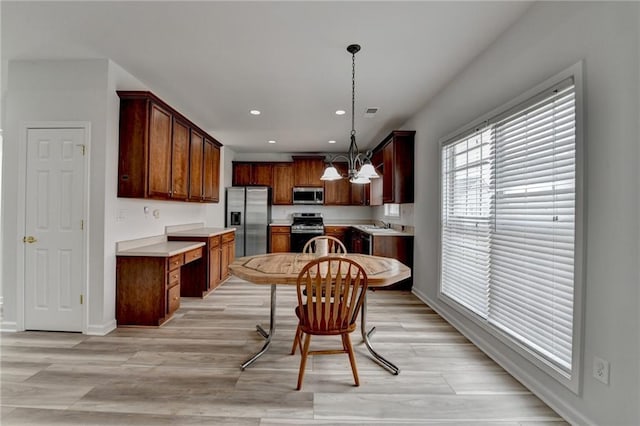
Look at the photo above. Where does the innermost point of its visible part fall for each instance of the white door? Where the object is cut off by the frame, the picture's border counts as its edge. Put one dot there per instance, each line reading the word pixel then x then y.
pixel 54 227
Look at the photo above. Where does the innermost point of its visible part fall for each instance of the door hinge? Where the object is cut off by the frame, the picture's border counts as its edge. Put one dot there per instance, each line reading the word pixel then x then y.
pixel 82 224
pixel 82 299
pixel 83 148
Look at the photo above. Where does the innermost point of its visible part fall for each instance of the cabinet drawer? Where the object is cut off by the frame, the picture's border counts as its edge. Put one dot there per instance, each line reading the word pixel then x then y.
pixel 192 255
pixel 174 278
pixel 214 242
pixel 230 236
pixel 176 261
pixel 280 229
pixel 173 299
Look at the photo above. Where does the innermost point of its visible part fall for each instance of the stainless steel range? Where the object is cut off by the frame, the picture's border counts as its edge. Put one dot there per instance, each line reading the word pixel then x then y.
pixel 304 227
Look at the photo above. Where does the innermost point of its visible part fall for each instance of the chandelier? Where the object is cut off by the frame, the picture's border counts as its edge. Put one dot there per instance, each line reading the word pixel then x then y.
pixel 360 168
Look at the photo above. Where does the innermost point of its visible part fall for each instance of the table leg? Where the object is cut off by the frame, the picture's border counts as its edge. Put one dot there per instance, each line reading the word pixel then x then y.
pixel 269 335
pixel 365 336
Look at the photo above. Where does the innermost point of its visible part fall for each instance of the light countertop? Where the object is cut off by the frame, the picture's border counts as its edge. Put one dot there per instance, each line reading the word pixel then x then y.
pixel 161 249
pixel 200 232
pixel 364 227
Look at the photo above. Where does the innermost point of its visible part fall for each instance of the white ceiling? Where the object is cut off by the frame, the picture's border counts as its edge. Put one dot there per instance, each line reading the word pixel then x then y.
pixel 214 61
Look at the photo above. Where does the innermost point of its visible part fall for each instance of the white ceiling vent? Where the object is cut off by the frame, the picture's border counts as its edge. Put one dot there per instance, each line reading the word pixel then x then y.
pixel 370 112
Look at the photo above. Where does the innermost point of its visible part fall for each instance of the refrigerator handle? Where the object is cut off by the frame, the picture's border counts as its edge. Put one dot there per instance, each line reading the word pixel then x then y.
pixel 236 218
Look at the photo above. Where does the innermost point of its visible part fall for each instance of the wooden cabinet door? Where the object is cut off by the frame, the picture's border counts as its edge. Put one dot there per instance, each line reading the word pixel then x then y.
pixel 280 239
pixel 195 169
pixel 356 242
pixel 210 171
pixel 307 170
pixel 388 178
pixel 180 161
pixel 262 174
pixel 339 232
pixel 215 255
pixel 227 254
pixel 375 187
pixel 338 192
pixel 159 152
pixel 282 183
pixel 216 174
pixel 360 194
pixel 241 174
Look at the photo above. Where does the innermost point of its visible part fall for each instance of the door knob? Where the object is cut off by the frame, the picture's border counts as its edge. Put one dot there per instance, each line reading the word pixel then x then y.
pixel 30 239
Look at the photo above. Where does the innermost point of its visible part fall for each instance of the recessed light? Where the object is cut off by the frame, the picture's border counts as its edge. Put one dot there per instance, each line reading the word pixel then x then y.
pixel 254 112
pixel 272 141
pixel 341 112
pixel 332 141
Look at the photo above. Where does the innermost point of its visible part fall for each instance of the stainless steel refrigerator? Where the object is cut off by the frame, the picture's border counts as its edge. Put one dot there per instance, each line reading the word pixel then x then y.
pixel 249 211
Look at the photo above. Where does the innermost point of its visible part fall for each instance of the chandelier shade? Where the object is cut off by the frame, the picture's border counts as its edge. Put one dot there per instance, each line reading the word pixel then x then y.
pixel 360 169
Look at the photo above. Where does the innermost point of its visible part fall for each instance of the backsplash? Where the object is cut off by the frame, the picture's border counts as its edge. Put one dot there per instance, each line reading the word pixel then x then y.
pixel 330 214
pixel 348 214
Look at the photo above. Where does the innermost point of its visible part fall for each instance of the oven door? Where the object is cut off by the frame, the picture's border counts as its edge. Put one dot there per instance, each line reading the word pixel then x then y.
pixel 300 238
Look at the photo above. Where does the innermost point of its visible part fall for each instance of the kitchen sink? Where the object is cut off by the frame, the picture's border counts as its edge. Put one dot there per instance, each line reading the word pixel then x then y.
pixel 375 228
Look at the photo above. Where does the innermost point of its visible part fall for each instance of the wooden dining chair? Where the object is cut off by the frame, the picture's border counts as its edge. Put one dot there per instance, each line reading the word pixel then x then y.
pixel 334 245
pixel 330 292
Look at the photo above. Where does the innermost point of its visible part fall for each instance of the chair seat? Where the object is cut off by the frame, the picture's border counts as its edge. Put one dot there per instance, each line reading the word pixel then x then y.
pixel 327 332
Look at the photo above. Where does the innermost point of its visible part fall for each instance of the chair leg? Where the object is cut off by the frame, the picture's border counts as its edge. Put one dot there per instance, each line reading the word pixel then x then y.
pixel 296 340
pixel 352 358
pixel 303 360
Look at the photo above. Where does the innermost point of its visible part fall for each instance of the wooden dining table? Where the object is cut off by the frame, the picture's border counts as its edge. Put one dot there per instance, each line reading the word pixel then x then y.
pixel 275 269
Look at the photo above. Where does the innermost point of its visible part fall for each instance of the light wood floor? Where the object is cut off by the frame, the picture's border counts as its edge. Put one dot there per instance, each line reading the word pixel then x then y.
pixel 187 372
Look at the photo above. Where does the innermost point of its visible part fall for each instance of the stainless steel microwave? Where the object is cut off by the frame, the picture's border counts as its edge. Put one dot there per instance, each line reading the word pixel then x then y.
pixel 303 195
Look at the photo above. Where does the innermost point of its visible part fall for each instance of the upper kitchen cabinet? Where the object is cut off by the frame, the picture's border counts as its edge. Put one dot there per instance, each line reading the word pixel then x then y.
pixel 251 173
pixel 397 168
pixel 204 182
pixel 360 194
pixel 211 172
pixel 196 189
pixel 180 160
pixel 307 170
pixel 375 187
pixel 282 183
pixel 158 157
pixel 338 192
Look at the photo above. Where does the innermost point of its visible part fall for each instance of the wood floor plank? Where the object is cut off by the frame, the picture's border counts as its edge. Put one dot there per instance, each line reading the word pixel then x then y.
pixel 188 372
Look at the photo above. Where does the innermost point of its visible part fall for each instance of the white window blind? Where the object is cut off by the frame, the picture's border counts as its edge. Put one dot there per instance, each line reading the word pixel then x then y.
pixel 466 213
pixel 508 231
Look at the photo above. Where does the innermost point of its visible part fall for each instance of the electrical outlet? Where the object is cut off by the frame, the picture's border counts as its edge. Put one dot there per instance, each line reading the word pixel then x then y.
pixel 601 370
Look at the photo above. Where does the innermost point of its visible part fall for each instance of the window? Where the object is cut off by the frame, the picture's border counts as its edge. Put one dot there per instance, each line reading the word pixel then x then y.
pixel 392 210
pixel 508 249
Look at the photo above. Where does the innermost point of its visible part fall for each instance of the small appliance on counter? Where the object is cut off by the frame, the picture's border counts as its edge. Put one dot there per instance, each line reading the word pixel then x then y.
pixel 304 227
pixel 248 209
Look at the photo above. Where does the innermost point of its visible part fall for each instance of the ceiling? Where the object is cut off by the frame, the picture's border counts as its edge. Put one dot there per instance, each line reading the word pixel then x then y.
pixel 214 61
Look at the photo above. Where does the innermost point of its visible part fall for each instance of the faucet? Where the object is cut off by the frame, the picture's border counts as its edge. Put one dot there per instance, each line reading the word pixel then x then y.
pixel 386 225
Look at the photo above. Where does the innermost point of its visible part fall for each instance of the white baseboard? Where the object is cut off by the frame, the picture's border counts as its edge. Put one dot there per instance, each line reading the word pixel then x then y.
pixel 9 326
pixel 101 330
pixel 568 412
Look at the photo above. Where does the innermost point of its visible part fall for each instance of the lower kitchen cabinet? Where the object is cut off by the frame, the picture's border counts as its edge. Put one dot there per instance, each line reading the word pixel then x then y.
pixel 148 287
pixel 227 254
pixel 398 247
pixel 199 279
pixel 279 239
pixel 339 232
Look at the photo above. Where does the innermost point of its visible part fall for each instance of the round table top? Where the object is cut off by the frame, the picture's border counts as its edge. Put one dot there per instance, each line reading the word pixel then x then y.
pixel 283 268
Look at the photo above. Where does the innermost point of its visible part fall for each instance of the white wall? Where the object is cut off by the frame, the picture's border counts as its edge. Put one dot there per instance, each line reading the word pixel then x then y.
pixel 83 90
pixel 549 38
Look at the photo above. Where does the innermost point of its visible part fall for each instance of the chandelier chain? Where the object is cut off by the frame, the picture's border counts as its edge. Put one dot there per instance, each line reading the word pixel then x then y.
pixel 353 93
